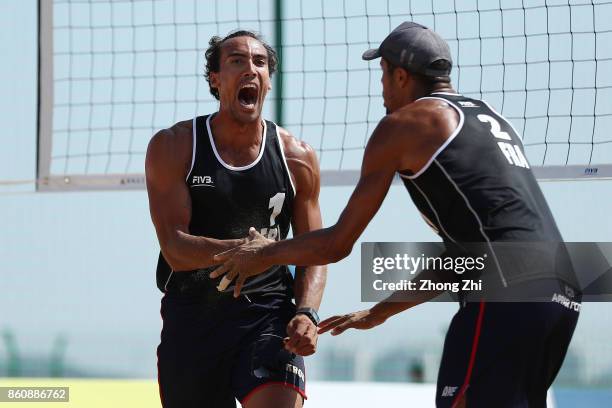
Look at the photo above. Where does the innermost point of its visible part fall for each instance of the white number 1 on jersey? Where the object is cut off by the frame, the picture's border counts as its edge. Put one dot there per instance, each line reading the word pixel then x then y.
pixel 276 204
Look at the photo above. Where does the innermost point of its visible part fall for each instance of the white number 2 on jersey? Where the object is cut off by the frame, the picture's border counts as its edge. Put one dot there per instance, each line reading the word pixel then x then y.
pixel 512 152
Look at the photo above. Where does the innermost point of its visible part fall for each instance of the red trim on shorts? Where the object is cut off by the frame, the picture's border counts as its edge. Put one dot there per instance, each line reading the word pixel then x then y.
pixel 264 385
pixel 466 382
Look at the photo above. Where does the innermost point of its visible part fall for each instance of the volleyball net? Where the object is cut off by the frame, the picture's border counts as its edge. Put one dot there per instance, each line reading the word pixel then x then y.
pixel 113 73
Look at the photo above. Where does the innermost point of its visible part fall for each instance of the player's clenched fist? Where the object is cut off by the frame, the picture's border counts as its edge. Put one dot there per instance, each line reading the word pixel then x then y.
pixel 301 336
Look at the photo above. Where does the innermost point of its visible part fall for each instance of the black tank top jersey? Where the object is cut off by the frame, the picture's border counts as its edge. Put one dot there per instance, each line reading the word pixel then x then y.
pixel 478 186
pixel 226 201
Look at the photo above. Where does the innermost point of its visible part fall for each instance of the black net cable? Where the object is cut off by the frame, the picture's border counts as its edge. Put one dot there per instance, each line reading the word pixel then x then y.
pixel 91 90
pixel 321 150
pixel 571 103
pixel 113 106
pixel 596 81
pixel 346 89
pixel 70 84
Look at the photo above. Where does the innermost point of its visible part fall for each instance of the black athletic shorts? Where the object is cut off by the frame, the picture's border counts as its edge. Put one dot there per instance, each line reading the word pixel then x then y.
pixel 212 354
pixel 506 354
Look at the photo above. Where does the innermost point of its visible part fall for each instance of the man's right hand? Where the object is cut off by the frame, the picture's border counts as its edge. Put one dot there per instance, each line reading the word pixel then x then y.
pixel 363 320
pixel 242 262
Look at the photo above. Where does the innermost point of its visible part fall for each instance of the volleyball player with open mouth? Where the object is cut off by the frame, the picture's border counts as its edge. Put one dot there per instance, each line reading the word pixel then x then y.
pixel 209 179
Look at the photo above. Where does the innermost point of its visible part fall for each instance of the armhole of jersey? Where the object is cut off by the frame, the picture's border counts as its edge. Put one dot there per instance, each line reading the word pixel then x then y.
pixel 519 135
pixel 446 143
pixel 193 147
pixel 280 144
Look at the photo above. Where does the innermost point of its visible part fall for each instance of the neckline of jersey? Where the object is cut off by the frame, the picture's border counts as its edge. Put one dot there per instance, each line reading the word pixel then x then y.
pixel 220 159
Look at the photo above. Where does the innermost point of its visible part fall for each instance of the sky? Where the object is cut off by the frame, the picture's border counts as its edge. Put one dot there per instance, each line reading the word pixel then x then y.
pixel 82 264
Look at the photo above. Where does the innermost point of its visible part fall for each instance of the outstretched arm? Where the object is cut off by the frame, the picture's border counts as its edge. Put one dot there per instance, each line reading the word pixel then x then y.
pixel 329 244
pixel 166 165
pixel 336 242
pixel 403 140
pixel 379 313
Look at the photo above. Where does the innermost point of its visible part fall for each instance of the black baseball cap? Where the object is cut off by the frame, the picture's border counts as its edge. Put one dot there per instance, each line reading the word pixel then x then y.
pixel 414 47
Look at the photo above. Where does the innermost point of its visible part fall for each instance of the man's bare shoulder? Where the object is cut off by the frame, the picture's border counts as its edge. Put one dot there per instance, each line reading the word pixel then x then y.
pixel 410 135
pixel 426 117
pixel 179 133
pixel 172 146
pixel 301 160
pixel 296 149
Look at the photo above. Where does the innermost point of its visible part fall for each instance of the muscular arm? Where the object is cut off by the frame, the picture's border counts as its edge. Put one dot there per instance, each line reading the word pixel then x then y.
pixel 380 312
pixel 402 141
pixel 395 303
pixel 309 281
pixel 335 243
pixel 304 167
pixel 329 244
pixel 166 165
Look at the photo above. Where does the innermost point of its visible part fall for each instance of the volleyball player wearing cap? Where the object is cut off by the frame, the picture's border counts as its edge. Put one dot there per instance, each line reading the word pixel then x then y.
pixel 209 179
pixel 464 168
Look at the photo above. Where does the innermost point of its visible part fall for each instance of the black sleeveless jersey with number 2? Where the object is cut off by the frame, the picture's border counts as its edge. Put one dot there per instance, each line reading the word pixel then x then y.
pixel 478 186
pixel 227 200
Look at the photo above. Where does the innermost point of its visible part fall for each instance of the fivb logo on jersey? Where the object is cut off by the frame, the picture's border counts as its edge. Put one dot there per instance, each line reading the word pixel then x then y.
pixel 202 181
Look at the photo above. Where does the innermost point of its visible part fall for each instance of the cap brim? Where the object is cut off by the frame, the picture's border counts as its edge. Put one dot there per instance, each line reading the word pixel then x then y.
pixel 371 54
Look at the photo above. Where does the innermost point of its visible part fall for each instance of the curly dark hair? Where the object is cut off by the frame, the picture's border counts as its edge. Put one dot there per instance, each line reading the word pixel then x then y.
pixel 213 55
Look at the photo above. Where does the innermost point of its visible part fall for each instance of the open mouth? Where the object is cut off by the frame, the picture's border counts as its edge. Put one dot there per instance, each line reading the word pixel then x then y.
pixel 247 96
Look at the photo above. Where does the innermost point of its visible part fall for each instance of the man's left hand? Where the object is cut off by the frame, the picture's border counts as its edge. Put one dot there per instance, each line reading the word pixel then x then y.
pixel 363 320
pixel 302 336
pixel 241 262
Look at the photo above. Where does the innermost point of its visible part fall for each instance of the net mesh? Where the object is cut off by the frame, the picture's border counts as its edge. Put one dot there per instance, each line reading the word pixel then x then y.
pixel 125 69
